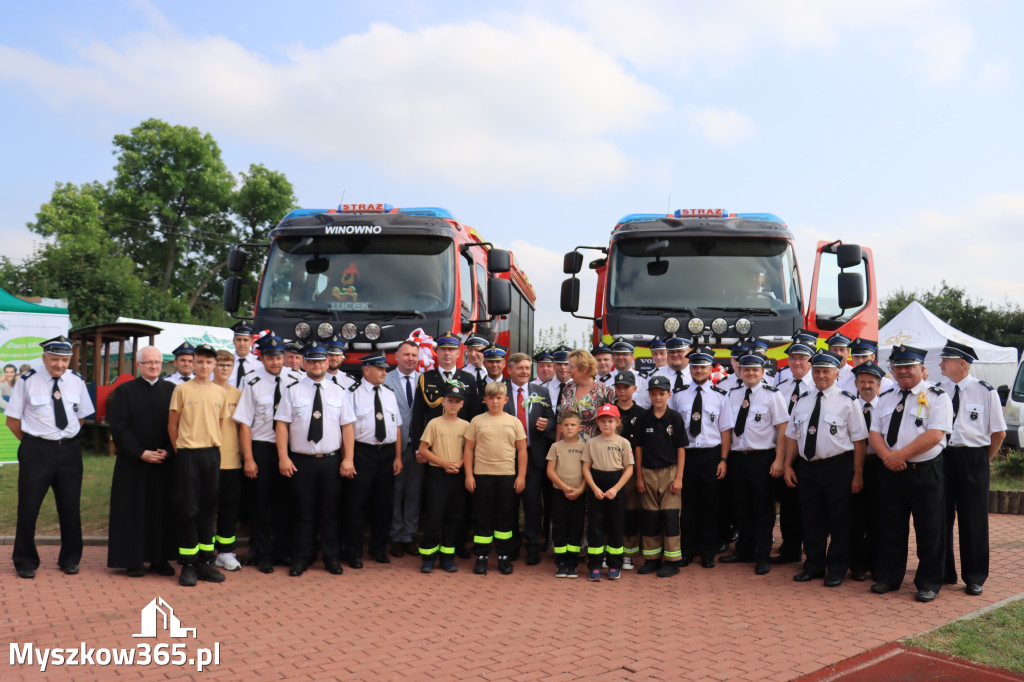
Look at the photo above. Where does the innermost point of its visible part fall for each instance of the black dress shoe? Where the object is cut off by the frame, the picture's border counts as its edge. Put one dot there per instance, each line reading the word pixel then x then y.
pixel 163 568
pixel 334 567
pixel 974 589
pixel 296 570
pixel 724 547
pixel 381 558
pixel 925 595
pixel 480 568
pixel 762 567
pixel 881 588
pixel 685 560
pixel 833 581
pixel 650 566
pixel 708 562
pixel 396 550
pixel 70 569
pixel 137 572
pixel 27 573
pixel 532 557
pixel 734 558
pixel 505 565
pixel 668 569
pixel 858 574
pixel 784 559
pixel 805 577
pixel 265 565
pixel 355 563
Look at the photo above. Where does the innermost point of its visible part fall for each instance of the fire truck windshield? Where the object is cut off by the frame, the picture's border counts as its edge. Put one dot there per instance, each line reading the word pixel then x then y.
pixel 360 273
pixel 723 273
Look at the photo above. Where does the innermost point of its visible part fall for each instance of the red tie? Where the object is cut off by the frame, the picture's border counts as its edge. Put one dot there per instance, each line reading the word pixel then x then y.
pixel 520 411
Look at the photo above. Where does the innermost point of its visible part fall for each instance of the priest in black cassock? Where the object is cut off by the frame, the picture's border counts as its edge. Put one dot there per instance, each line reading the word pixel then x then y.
pixel 141 527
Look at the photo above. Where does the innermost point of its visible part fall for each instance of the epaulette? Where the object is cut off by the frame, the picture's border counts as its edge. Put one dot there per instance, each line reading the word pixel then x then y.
pixel 735 388
pixel 388 387
pixel 253 381
pixel 773 389
pixel 849 395
pixel 803 395
pixel 357 384
pixel 936 390
pixel 76 374
pixel 27 374
pixel 886 392
pixel 292 384
pixel 645 374
pixel 986 385
pixel 720 390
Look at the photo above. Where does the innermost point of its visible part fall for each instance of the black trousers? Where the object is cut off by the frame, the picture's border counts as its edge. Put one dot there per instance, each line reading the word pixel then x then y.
pixel 269 501
pixel 967 477
pixel 441 519
pixel 372 490
pixel 42 465
pixel 825 499
pixel 536 501
pixel 753 501
pixel 229 497
pixel 918 491
pixel 864 519
pixel 700 519
pixel 567 518
pixel 196 487
pixel 316 487
pixel 606 520
pixel 492 514
pixel 790 519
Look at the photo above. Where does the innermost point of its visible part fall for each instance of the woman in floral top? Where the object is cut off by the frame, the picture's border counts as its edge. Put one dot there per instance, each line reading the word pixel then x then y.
pixel 583 394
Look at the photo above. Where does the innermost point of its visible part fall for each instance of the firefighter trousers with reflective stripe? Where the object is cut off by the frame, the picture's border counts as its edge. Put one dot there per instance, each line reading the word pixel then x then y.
pixel 567 526
pixel 659 515
pixel 196 488
pixel 493 502
pixel 442 511
pixel 229 497
pixel 605 521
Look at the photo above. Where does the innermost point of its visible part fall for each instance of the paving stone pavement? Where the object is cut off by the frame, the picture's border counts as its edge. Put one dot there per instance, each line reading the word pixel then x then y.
pixel 391 622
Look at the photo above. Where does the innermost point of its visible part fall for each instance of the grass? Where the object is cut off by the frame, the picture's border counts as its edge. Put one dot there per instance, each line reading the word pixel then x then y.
pixel 98 470
pixel 992 639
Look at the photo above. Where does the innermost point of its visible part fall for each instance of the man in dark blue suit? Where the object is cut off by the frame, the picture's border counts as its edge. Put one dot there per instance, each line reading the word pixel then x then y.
pixel 530 403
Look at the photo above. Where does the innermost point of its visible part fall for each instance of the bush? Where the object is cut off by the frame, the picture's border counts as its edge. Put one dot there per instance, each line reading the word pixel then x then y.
pixel 1010 464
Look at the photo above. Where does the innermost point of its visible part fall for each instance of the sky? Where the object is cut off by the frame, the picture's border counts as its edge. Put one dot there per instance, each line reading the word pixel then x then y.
pixel 894 124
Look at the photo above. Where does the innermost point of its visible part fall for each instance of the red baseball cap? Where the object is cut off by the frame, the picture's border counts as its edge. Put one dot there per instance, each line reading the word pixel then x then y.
pixel 607 411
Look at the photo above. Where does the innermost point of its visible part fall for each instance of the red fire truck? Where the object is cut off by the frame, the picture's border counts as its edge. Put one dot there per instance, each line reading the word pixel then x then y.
pixel 371 274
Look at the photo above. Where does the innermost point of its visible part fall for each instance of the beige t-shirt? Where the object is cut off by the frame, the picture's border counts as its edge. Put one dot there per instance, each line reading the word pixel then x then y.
pixel 447 439
pixel 230 450
pixel 200 409
pixel 611 454
pixel 495 437
pixel 568 461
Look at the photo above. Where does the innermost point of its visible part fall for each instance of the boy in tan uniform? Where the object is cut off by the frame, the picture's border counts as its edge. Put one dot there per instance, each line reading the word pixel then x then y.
pixel 229 491
pixel 194 425
pixel 495 463
pixel 568 504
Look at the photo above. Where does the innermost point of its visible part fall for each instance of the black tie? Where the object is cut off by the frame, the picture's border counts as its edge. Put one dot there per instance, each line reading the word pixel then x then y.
pixel 380 431
pixel 277 392
pixel 316 420
pixel 894 422
pixel 956 403
pixel 184 379
pixel 59 415
pixel 561 391
pixel 241 372
pixel 408 390
pixel 867 415
pixel 811 442
pixel 679 381
pixel 695 413
pixel 741 416
pixel 796 394
pixel 447 376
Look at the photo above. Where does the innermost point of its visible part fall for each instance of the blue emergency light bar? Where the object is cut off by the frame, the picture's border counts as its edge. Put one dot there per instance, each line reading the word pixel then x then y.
pixel 641 218
pixel 354 209
pixel 427 212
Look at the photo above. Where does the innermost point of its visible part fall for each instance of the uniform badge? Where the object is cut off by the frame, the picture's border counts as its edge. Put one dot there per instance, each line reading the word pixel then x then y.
pixel 75 407
pixel 668 430
pixel 899 408
pixel 974 415
pixel 833 429
pixel 712 417
pixel 793 397
pixel 695 416
pixel 316 414
pixel 56 395
pixel 380 416
pixel 812 430
pixel 757 417
pixel 746 403
pixel 918 422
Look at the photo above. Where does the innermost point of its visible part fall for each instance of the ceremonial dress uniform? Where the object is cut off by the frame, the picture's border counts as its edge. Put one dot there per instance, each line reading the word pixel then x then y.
pixel 243 364
pixel 864 522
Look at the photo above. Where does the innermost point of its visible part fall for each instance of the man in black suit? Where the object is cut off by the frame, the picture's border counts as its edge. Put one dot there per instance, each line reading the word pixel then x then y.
pixel 530 403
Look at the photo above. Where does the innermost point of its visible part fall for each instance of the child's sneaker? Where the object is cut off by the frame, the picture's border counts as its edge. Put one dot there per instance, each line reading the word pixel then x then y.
pixel 627 563
pixel 614 574
pixel 570 571
pixel 561 571
pixel 595 575
pixel 228 561
pixel 604 563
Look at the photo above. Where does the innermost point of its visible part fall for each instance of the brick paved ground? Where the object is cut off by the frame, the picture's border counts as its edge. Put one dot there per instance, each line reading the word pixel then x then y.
pixel 387 622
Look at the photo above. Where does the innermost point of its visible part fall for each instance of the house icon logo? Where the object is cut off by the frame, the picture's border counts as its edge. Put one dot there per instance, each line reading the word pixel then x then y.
pixel 157 615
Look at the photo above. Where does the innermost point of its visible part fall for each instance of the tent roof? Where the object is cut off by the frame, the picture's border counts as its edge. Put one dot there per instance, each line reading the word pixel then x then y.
pixel 917 326
pixel 13 304
pixel 174 333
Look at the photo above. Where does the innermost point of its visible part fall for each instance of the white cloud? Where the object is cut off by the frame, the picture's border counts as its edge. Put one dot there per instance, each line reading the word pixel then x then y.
pixel 942 49
pixel 725 127
pixel 524 105
pixel 995 75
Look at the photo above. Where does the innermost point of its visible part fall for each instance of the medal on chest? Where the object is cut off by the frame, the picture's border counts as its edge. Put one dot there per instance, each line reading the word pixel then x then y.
pixel 974 415
pixel 757 417
pixel 833 429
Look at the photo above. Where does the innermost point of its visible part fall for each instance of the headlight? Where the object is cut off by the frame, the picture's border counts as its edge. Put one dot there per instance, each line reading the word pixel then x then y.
pixel 719 326
pixel 325 330
pixel 302 330
pixel 372 331
pixel 695 325
pixel 349 331
pixel 672 325
pixel 743 326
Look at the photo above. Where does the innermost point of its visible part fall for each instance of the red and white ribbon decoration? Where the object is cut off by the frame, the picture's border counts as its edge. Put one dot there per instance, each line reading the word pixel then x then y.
pixel 426 345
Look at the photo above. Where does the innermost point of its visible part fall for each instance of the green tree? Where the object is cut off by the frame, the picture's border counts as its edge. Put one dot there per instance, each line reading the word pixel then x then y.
pixel 550 338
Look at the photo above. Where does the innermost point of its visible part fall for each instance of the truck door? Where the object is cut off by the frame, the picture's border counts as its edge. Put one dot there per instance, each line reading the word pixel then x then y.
pixel 838 280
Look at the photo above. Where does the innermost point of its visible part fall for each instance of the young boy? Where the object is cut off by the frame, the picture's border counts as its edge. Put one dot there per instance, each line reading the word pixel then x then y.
pixel 629 412
pixel 229 492
pixel 194 425
pixel 660 455
pixel 442 446
pixel 495 462
pixel 568 505
pixel 607 467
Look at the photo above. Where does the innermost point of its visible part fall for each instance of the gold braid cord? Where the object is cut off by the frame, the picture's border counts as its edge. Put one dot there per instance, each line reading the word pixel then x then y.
pixel 430 403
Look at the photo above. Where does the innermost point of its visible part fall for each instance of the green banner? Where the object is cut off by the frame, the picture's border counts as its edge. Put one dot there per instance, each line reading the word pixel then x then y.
pixel 8 443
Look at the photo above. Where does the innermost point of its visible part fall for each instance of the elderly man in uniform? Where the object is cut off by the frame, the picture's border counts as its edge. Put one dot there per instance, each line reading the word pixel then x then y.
pixel 45 413
pixel 141 515
pixel 563 374
pixel 184 357
pixel 861 351
pixel 267 494
pixel 827 432
pixel 314 438
pixel 605 363
pixel 864 522
pixel 978 430
pixel 293 356
pixel 494 362
pixel 245 362
pixel 908 431
pixel 623 354
pixel 405 517
pixel 475 346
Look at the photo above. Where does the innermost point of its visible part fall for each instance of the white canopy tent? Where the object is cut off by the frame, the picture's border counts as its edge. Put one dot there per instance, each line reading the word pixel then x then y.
pixel 916 326
pixel 174 334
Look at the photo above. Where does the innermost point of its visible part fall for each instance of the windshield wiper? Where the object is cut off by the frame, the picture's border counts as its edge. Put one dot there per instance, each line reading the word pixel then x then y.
pixel 658 310
pixel 750 311
pixel 401 313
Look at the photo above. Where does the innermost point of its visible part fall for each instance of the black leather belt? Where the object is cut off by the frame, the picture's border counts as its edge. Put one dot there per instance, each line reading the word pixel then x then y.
pixel 59 441
pixel 319 455
pixel 914 466
pixel 376 446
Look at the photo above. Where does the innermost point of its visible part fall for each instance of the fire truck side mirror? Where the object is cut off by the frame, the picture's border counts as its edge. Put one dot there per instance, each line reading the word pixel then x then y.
pixel 851 290
pixel 499 260
pixel 232 293
pixel 572 263
pixel 849 255
pixel 236 260
pixel 570 301
pixel 499 296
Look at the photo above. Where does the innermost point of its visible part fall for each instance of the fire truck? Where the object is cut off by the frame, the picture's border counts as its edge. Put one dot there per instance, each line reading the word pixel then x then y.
pixel 719 277
pixel 371 274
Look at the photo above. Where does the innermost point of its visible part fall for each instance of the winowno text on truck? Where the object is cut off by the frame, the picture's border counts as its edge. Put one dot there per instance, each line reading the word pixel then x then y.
pixel 370 274
pixel 721 277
